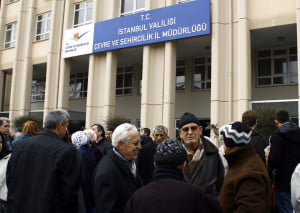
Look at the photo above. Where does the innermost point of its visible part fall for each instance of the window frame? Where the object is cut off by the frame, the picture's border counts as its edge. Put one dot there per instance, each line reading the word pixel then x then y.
pixel 273 57
pixel 183 1
pixel 77 79
pixel 207 72
pixel 88 5
pixel 12 42
pixel 184 76
pixel 38 90
pixel 122 71
pixel 46 21
pixel 134 9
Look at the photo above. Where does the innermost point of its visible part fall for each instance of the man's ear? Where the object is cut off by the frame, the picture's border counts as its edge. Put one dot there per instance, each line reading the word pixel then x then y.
pixel 276 122
pixel 155 165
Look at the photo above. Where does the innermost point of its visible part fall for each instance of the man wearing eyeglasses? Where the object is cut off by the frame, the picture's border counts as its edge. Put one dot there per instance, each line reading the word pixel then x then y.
pixel 204 167
pixel 116 176
pixel 146 155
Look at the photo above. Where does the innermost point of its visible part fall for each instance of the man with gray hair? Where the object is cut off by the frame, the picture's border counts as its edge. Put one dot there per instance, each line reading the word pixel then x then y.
pixel 145 157
pixel 43 174
pixel 116 176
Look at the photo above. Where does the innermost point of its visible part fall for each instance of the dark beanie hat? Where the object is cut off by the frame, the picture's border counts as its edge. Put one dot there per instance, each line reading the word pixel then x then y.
pixel 187 118
pixel 170 153
pixel 236 134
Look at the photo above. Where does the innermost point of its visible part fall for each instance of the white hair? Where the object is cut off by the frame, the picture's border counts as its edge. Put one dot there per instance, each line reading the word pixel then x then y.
pixel 90 133
pixel 121 133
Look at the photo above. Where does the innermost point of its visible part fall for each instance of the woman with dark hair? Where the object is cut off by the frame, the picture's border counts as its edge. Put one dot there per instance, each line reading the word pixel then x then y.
pixel 4 157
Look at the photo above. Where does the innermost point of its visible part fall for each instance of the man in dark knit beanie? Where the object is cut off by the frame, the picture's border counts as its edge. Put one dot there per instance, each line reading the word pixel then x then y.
pixel 204 166
pixel 168 192
pixel 247 186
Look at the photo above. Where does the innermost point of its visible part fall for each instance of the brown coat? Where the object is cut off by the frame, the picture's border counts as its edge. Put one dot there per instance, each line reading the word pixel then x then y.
pixel 247 186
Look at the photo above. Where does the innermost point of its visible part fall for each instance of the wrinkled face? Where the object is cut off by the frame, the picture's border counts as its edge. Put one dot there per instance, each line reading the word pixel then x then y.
pixel 159 136
pixel 190 134
pixel 4 128
pixel 131 149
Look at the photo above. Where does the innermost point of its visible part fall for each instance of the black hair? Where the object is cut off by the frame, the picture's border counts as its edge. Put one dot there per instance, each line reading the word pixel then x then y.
pixel 100 128
pixel 282 116
pixel 147 131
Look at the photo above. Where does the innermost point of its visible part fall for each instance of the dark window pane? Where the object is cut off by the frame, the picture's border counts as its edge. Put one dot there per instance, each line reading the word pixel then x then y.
pixel 280 52
pixel 264 67
pixel 264 81
pixel 209 73
pixel 180 71
pixel 119 83
pixel 199 60
pixel 208 85
pixel 264 53
pixel 128 80
pixel 180 63
pixel 119 91
pixel 127 91
pixel 280 66
pixel 278 80
pixel 129 69
pixel 293 50
pixel 199 69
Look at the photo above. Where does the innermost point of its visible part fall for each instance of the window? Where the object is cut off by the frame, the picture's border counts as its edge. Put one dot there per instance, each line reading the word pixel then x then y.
pixel 277 66
pixel 43 26
pixel 78 85
pixel 83 12
pixel 38 90
pixel 180 75
pixel 182 1
pixel 202 73
pixel 124 80
pixel 10 35
pixel 10 1
pixel 132 6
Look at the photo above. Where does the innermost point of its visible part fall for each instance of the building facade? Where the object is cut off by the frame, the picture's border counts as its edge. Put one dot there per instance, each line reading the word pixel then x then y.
pixel 250 59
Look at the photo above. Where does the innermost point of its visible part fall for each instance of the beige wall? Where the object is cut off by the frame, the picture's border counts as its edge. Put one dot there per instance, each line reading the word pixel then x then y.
pixel 268 13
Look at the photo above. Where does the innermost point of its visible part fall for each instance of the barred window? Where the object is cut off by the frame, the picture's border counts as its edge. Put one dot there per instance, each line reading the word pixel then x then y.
pixel 37 90
pixel 277 66
pixel 183 1
pixel 202 73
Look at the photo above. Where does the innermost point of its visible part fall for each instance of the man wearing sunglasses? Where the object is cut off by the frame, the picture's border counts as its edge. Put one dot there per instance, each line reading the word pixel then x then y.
pixel 204 166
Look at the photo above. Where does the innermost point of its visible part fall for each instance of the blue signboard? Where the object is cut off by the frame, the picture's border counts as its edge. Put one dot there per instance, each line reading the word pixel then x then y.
pixel 159 25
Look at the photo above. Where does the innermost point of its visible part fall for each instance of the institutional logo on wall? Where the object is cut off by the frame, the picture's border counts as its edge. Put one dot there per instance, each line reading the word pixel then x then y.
pixel 78 41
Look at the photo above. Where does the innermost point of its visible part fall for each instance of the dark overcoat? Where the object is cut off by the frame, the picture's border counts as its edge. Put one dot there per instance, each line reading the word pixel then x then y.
pixel 169 193
pixel 114 183
pixel 209 172
pixel 43 176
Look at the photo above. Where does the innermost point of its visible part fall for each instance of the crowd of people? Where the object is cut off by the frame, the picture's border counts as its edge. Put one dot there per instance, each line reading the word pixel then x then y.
pixel 68 169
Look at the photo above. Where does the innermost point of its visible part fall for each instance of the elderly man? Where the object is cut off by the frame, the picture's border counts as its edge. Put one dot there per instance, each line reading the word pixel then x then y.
pixel 169 192
pixel 145 156
pixel 43 174
pixel 204 166
pixel 116 176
